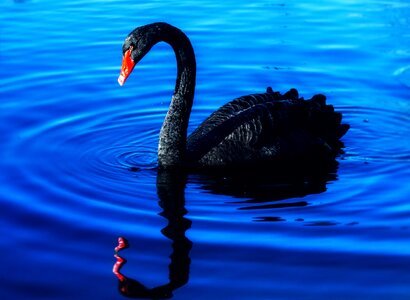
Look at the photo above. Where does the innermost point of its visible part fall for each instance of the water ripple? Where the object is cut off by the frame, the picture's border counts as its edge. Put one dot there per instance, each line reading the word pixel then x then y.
pixel 378 134
pixel 403 75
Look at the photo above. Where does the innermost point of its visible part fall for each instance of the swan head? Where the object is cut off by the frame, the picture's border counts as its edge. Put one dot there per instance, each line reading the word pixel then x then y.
pixel 137 44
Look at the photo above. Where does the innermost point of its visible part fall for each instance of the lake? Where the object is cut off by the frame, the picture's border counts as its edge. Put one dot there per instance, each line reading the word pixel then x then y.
pixel 78 154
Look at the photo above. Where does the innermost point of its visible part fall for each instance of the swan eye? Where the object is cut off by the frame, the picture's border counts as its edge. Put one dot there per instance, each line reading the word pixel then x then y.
pixel 129 52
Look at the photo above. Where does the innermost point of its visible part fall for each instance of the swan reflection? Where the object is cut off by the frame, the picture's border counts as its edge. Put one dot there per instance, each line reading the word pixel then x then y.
pixel 259 190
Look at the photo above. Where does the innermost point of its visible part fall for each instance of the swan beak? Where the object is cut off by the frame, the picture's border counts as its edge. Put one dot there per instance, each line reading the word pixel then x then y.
pixel 127 66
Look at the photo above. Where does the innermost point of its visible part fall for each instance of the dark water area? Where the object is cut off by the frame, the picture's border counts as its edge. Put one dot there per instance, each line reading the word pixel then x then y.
pixel 78 154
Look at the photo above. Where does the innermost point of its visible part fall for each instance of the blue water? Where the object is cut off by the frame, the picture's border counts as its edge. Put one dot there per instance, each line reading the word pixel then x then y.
pixel 78 153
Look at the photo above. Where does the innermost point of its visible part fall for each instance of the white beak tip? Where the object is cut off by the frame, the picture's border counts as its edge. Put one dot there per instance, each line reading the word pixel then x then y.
pixel 121 80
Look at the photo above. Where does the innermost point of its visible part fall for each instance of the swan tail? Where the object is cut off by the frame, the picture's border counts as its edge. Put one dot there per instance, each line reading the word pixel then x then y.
pixel 327 123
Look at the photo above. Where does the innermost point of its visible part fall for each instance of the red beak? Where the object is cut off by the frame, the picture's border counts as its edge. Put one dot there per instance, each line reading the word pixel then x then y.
pixel 127 66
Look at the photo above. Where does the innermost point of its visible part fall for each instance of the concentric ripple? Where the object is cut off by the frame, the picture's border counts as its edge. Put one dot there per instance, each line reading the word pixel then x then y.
pixel 93 155
pixel 102 148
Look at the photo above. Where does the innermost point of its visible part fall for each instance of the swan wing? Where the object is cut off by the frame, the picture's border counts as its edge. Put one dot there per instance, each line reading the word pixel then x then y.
pixel 267 126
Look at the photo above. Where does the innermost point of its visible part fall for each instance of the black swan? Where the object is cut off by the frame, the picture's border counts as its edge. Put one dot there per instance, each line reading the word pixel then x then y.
pixel 252 130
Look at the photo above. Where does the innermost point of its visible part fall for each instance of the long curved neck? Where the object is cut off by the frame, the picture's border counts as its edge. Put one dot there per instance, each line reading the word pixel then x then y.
pixel 172 140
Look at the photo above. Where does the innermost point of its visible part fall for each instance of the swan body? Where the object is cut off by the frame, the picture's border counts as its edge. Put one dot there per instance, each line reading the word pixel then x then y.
pixel 252 130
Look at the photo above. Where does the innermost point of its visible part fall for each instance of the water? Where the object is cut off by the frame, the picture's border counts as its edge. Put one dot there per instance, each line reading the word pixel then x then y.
pixel 72 141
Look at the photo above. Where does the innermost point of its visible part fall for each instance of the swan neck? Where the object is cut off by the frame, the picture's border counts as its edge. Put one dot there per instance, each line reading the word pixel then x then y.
pixel 172 143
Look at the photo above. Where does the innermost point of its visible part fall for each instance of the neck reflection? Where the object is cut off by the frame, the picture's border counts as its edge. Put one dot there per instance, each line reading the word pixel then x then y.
pixel 170 190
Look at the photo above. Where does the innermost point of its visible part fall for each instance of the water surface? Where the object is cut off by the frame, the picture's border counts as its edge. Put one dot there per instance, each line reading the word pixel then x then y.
pixel 78 153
